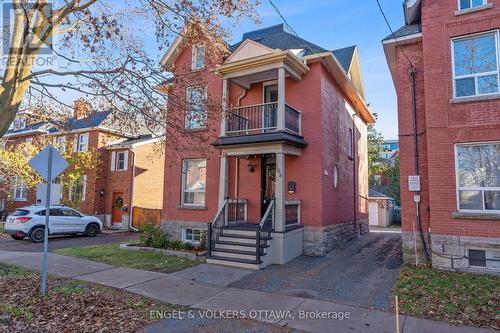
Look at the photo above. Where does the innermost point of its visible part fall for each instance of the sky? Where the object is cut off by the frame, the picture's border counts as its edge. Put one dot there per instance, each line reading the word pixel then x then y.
pixel 334 24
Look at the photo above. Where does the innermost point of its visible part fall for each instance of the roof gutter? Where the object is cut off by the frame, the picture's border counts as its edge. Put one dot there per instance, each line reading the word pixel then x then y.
pixel 338 74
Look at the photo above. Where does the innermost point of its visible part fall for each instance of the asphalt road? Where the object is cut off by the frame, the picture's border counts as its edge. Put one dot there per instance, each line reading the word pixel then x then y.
pixel 59 242
pixel 362 274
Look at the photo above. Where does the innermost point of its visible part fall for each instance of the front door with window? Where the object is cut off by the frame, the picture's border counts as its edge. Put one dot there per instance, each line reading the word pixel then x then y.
pixel 117 208
pixel 270 114
pixel 268 181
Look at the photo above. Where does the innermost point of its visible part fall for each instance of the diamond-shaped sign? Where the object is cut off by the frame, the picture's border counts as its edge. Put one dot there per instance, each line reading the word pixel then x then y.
pixel 40 162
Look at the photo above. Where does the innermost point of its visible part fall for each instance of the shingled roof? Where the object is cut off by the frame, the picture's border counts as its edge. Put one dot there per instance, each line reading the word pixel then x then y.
pixel 406 30
pixel 278 37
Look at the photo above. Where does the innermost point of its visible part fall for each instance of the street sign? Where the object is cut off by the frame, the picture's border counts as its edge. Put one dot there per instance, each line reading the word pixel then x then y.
pixel 40 163
pixel 414 183
pixel 49 164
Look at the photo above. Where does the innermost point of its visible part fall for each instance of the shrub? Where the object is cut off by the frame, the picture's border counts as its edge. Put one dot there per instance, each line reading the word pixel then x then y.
pixel 153 236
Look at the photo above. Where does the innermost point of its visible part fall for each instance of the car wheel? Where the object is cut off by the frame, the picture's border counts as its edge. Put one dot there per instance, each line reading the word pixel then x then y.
pixel 92 230
pixel 17 237
pixel 37 235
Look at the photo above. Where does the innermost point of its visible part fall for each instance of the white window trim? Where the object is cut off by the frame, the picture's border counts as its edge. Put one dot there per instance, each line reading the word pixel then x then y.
pixel 203 88
pixel 485 2
pixel 115 161
pixel 191 241
pixel 482 189
pixel 475 76
pixel 19 185
pixel 194 53
pixel 183 184
pixel 84 189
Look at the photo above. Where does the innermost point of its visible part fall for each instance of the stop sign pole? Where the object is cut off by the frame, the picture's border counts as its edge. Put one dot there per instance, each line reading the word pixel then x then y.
pixel 48 163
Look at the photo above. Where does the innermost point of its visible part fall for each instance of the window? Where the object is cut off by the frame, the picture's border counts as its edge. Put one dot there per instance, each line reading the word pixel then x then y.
pixel 196 116
pixel 60 143
pixel 119 160
pixel 20 190
pixel 19 124
pixel 475 65
pixel 52 212
pixel 478 177
pixel 477 258
pixel 70 213
pixel 198 57
pixel 78 190
pixel 191 235
pixel 467 4
pixel 194 173
pixel 82 142
pixel 335 176
pixel 350 143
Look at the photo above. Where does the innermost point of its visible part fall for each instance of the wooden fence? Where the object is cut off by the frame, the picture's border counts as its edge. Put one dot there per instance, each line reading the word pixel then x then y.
pixel 142 216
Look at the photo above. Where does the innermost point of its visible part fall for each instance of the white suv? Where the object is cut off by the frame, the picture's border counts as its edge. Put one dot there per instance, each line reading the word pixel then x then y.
pixel 30 221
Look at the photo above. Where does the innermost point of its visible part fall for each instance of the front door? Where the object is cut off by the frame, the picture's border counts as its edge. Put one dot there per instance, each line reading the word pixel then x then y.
pixel 117 208
pixel 270 112
pixel 268 181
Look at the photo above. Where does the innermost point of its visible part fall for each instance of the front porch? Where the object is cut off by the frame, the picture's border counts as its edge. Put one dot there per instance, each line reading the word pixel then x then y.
pixel 256 225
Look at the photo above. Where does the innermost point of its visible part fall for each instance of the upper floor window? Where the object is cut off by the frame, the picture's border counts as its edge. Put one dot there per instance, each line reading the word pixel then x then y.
pixel 478 177
pixel 196 116
pixel 60 143
pixel 198 57
pixel 475 65
pixel 82 142
pixel 119 160
pixel 78 190
pixel 20 191
pixel 194 176
pixel 19 124
pixel 467 4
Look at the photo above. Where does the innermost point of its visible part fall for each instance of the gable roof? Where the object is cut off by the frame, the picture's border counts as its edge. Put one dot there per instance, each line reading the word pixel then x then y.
pixel 345 56
pixel 406 30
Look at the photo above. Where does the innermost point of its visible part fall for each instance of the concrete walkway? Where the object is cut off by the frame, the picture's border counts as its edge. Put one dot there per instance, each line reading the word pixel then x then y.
pixel 292 312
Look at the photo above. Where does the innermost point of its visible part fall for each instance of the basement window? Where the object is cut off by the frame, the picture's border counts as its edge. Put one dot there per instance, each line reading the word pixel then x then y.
pixel 190 235
pixel 485 259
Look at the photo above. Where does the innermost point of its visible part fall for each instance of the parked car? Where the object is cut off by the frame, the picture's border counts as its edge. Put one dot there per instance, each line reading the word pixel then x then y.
pixel 30 222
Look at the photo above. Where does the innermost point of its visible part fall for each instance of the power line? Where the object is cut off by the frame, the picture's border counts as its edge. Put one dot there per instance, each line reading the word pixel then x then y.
pixel 284 20
pixel 392 32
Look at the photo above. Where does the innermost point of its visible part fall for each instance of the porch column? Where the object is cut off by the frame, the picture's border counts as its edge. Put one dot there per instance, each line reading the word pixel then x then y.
pixel 223 178
pixel 281 98
pixel 224 107
pixel 280 192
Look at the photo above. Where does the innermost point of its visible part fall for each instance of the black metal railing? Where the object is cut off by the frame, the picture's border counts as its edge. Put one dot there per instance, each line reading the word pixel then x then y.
pixel 292 212
pixel 292 119
pixel 252 119
pixel 216 228
pixel 237 211
pixel 264 231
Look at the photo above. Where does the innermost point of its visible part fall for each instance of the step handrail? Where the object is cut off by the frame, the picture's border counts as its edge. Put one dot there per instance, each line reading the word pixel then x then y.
pixel 216 226
pixel 266 215
pixel 266 233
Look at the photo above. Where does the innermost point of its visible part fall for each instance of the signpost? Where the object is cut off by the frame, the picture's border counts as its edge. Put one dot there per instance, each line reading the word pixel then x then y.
pixel 49 164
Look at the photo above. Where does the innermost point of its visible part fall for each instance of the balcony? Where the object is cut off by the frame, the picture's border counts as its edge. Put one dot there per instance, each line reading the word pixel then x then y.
pixel 261 118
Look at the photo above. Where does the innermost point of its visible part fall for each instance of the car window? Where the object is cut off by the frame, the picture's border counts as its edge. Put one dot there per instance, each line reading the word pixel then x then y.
pixel 53 212
pixel 70 213
pixel 21 212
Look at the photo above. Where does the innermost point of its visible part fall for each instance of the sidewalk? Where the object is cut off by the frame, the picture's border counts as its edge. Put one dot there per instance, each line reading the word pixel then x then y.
pixel 177 290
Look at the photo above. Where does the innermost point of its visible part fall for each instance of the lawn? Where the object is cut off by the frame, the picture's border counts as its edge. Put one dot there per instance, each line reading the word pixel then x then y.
pixel 459 298
pixel 112 254
pixel 23 309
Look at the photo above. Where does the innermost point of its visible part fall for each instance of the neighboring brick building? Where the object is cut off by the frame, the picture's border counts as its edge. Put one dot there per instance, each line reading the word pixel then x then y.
pixel 454 48
pixel 94 191
pixel 300 177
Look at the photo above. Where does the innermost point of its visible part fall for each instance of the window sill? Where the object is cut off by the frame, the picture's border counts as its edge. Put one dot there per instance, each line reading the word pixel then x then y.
pixel 475 216
pixel 473 10
pixel 194 130
pixel 474 98
pixel 183 207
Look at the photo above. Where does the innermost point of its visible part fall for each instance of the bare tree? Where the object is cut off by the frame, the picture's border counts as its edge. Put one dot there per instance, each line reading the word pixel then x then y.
pixel 102 50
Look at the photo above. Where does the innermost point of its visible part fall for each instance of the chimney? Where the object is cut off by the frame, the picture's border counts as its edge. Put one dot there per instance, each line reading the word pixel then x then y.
pixel 82 108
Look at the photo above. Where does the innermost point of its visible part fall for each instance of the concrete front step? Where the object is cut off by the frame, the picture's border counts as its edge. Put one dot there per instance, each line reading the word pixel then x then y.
pixel 239 239
pixel 234 262
pixel 234 255
pixel 248 233
pixel 237 247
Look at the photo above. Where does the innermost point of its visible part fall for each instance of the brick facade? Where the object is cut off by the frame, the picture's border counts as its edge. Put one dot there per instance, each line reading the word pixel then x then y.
pixel 442 122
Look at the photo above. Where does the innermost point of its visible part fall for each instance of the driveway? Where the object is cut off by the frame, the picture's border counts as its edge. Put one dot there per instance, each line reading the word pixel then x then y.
pixel 59 242
pixel 361 274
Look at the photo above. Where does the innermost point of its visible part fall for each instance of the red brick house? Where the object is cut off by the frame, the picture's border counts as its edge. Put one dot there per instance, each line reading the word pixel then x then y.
pixel 452 140
pixel 282 168
pixel 127 164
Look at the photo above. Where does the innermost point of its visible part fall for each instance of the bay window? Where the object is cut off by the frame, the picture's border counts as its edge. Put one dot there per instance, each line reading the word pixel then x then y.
pixel 478 177
pixel 475 65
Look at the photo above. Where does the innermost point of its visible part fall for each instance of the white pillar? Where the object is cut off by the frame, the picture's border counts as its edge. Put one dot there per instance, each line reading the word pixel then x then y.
pixel 223 179
pixel 280 193
pixel 281 98
pixel 225 88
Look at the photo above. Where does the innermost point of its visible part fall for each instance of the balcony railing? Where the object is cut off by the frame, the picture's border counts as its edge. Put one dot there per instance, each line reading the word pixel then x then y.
pixel 261 118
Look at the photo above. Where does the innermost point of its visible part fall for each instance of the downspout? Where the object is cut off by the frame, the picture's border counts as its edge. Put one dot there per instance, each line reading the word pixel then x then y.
pixel 132 186
pixel 413 74
pixel 354 152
